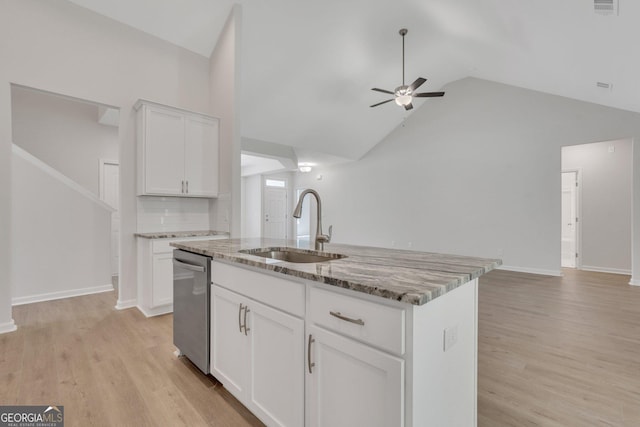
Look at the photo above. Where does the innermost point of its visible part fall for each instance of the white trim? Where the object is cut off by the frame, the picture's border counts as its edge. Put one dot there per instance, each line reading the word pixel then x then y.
pixel 8 327
pixel 578 172
pixel 61 294
pixel 555 273
pixel 157 311
pixel 58 176
pixel 634 282
pixel 123 305
pixel 606 270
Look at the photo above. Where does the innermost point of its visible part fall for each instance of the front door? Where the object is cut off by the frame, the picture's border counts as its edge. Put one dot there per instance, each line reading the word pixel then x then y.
pixel 274 213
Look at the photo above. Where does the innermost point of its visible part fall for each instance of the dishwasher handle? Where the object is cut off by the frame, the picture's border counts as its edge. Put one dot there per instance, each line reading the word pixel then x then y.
pixel 187 266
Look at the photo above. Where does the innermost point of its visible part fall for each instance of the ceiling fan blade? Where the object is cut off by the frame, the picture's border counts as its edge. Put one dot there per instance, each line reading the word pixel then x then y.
pixel 428 94
pixel 380 103
pixel 383 91
pixel 408 107
pixel 415 85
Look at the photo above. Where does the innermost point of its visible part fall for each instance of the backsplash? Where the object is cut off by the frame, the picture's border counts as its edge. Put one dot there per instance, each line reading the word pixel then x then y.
pixel 157 214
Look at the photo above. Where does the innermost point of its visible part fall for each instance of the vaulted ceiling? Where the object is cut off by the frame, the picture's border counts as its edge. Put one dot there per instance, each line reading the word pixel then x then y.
pixel 308 67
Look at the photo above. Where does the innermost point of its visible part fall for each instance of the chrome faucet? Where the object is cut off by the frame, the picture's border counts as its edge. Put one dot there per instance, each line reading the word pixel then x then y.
pixel 321 239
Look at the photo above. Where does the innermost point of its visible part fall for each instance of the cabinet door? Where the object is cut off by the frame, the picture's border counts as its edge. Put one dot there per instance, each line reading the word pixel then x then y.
pixel 229 345
pixel 352 384
pixel 162 284
pixel 201 157
pixel 277 366
pixel 163 151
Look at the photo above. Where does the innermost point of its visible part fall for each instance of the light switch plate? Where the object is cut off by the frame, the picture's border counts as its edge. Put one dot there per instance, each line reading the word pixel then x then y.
pixel 450 337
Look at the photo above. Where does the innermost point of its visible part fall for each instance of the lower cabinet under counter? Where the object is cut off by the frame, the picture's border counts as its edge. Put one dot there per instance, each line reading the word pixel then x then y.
pixel 366 361
pixel 155 273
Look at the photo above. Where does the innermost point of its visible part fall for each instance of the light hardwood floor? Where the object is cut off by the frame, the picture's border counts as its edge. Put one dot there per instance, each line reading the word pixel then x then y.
pixel 552 352
pixel 558 351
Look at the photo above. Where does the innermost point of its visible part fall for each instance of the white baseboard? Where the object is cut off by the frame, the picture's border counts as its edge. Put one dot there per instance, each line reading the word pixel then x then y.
pixel 634 282
pixel 157 311
pixel 606 270
pixel 556 273
pixel 61 294
pixel 8 327
pixel 123 305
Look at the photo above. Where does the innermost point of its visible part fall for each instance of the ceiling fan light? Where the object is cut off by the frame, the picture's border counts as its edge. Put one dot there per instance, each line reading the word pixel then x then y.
pixel 403 100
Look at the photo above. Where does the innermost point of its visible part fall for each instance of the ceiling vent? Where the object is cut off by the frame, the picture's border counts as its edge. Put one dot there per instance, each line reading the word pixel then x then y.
pixel 603 85
pixel 605 7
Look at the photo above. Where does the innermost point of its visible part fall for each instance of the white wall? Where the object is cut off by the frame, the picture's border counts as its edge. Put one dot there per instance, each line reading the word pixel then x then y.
pixel 63 133
pixel 6 321
pixel 61 242
pixel 224 101
pixel 476 172
pixel 635 225
pixel 62 48
pixel 606 200
pixel 172 214
pixel 252 206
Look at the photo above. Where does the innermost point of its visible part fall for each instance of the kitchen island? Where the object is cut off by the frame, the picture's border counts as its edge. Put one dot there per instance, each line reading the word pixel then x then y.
pixel 374 336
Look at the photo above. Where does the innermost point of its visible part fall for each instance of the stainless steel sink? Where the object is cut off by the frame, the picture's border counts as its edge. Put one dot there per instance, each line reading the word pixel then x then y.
pixel 292 255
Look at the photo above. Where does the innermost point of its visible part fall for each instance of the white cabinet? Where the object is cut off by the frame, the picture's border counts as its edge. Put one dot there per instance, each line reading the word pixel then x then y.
pixel 257 353
pixel 155 274
pixel 351 384
pixel 177 152
pixel 229 346
pixel 364 360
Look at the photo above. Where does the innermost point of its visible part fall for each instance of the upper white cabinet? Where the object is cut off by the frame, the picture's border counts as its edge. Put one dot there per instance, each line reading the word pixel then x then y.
pixel 177 152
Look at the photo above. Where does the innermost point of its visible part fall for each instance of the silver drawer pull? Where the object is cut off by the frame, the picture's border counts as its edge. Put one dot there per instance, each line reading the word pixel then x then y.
pixel 346 319
pixel 240 317
pixel 311 364
pixel 246 310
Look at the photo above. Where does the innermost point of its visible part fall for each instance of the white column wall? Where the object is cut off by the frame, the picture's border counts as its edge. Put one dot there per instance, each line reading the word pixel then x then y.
pixel 63 48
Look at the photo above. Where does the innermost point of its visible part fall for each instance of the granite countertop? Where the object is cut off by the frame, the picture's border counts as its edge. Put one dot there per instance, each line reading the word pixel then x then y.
pixel 177 234
pixel 407 276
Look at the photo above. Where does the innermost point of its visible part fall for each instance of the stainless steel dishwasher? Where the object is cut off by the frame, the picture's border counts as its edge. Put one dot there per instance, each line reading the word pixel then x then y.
pixel 191 302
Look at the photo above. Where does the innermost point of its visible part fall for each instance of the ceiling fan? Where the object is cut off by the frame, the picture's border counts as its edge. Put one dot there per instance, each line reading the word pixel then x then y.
pixel 403 95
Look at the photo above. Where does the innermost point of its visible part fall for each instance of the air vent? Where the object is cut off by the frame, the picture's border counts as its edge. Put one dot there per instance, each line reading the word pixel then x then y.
pixel 605 7
pixel 606 86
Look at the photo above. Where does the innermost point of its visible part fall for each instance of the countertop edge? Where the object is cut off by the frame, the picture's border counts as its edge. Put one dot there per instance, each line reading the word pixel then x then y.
pixel 409 298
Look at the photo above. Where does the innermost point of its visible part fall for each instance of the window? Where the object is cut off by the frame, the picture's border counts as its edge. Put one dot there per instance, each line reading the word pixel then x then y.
pixel 275 183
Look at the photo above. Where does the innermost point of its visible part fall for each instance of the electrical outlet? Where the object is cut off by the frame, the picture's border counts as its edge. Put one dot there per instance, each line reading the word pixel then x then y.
pixel 500 253
pixel 450 337
pixel 409 245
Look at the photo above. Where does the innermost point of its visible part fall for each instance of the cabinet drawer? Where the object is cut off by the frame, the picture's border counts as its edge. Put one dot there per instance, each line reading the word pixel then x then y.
pixel 164 245
pixel 379 325
pixel 273 291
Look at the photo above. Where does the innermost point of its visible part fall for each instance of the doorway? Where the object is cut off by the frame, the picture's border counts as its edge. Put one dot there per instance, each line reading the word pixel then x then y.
pixel 570 219
pixel 110 194
pixel 274 209
pixel 601 203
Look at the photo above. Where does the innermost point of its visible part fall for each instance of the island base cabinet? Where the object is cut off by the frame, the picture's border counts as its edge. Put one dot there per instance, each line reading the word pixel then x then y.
pixel 258 355
pixel 229 346
pixel 351 384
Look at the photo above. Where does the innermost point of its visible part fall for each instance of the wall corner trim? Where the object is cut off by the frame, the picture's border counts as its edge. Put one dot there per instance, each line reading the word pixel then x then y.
pixel 8 327
pixel 123 305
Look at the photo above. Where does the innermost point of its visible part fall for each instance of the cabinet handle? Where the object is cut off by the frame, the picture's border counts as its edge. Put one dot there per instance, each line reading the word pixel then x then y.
pixel 311 365
pixel 182 186
pixel 187 187
pixel 346 319
pixel 240 317
pixel 246 310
